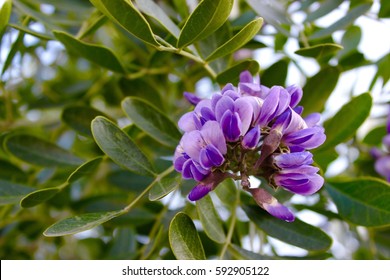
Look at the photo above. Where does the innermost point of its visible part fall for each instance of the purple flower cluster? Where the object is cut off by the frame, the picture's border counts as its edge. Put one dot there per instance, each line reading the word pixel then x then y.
pixel 382 157
pixel 250 130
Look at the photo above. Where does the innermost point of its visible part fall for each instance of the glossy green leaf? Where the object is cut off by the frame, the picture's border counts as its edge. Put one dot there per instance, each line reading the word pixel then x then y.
pixel 80 223
pixel 347 120
pixel 363 201
pixel 318 89
pixel 297 233
pixel 323 9
pixel 12 193
pixel 37 151
pixel 84 170
pixel 38 197
pixel 11 172
pixel 384 11
pixel 119 147
pixel 79 118
pixel 5 13
pixel 342 23
pixel 242 254
pixel 276 74
pixel 126 15
pixel 151 120
pixel 210 220
pixel 164 187
pixel 232 74
pixel 273 12
pixel 95 53
pixel 184 239
pixel 207 17
pixel 150 8
pixel 238 40
pixel 318 51
pixel 375 136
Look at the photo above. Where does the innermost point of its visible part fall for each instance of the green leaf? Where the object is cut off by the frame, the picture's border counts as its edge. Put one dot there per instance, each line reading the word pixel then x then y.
pixel 320 50
pixel 363 201
pixel 11 193
pixel 346 121
pixel 151 120
pixel 242 254
pixel 94 53
pixel 276 74
pixel 5 14
pixel 384 68
pixel 297 233
pixel 232 75
pixel 84 170
pixel 164 187
pixel 127 16
pixel 150 8
pixel 79 118
pixel 384 11
pixel 350 41
pixel 38 197
pixel 80 223
pixel 39 152
pixel 342 23
pixel 375 136
pixel 210 220
pixel 323 9
pixel 238 40
pixel 119 147
pixel 184 239
pixel 273 12
pixel 11 172
pixel 318 89
pixel 208 16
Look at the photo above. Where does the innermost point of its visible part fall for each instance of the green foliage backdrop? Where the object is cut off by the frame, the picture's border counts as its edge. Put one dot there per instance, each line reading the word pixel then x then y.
pixel 90 96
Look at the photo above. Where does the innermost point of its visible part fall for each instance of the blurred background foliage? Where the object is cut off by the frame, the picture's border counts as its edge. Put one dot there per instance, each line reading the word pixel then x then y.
pixel 63 63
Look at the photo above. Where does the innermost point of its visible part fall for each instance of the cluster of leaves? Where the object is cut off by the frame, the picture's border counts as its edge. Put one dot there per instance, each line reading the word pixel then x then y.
pixel 89 99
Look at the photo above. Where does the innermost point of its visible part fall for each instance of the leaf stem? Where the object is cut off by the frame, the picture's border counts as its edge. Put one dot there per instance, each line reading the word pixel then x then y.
pixel 190 56
pixel 148 188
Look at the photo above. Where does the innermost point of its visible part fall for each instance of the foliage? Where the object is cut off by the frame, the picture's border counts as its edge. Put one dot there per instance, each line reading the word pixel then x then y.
pixel 90 96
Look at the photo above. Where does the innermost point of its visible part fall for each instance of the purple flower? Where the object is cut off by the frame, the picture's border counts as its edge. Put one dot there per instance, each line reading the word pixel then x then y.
pixel 296 174
pixel 382 157
pixel 192 98
pixel 251 139
pixel 307 138
pixel 207 185
pixel 251 130
pixel 234 115
pixel 382 166
pixel 276 102
pixel 271 205
pixel 296 95
pixel 199 151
